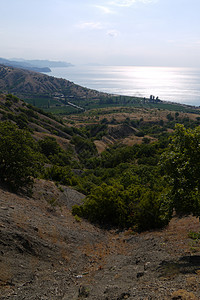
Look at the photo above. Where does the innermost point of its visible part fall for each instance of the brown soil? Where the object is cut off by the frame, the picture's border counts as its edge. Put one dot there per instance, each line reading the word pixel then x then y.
pixel 46 253
pixel 100 145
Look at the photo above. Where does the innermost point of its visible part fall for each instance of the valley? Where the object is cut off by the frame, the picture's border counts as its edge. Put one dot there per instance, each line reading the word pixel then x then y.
pixel 89 206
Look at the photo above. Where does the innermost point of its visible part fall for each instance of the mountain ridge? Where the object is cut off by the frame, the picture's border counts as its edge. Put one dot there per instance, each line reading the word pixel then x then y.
pixel 46 63
pixel 24 65
pixel 42 66
pixel 29 85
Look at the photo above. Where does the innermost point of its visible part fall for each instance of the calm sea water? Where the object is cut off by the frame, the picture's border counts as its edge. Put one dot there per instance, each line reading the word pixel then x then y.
pixel 180 85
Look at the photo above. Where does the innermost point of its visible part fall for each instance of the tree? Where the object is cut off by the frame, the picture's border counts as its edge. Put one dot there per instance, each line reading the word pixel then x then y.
pixel 18 158
pixel 137 207
pixel 104 205
pixel 181 163
pixel 49 146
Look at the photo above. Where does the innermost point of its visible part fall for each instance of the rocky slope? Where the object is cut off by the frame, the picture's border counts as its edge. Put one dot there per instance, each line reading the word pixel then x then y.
pixel 46 253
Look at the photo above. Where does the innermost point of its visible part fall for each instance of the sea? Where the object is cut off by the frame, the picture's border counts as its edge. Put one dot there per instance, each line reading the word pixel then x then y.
pixel 180 85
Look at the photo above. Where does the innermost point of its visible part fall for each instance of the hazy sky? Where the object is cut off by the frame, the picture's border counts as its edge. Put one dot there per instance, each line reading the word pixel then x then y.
pixel 113 32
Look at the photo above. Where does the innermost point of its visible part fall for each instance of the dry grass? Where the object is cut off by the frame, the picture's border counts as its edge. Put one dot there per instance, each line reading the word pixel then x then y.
pixel 175 235
pixel 122 113
pixel 132 140
pixel 183 295
pixel 100 145
pixel 99 253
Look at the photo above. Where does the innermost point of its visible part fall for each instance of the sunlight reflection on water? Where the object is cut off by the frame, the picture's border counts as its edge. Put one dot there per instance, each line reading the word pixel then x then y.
pixel 173 84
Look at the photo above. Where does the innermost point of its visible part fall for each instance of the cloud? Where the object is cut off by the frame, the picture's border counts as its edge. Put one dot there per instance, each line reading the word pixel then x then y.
pixel 127 3
pixel 105 9
pixel 90 25
pixel 112 33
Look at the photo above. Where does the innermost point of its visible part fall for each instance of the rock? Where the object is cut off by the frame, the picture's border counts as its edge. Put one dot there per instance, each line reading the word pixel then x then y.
pixel 140 274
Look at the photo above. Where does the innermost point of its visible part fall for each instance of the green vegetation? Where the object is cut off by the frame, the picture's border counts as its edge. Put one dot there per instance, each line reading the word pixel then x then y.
pixel 19 159
pixel 52 93
pixel 137 186
pixel 124 188
pixel 194 235
pixel 181 164
pixel 143 184
pixel 114 205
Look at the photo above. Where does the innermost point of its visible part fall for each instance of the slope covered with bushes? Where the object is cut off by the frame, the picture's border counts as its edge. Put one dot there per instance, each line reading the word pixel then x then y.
pixel 135 186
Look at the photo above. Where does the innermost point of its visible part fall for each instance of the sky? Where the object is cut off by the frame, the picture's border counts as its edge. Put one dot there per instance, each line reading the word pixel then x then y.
pixel 109 32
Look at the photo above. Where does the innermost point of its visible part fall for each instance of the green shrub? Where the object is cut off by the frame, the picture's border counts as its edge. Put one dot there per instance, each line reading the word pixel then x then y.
pixel 194 235
pixel 63 175
pixel 104 205
pixel 135 207
pixel 8 103
pixel 49 146
pixel 19 160
pixel 146 209
pixel 12 98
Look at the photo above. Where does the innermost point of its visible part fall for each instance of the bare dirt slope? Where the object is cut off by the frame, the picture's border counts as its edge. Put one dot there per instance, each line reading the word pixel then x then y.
pixel 48 254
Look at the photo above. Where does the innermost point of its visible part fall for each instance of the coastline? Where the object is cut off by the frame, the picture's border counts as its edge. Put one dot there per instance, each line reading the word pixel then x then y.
pixel 181 85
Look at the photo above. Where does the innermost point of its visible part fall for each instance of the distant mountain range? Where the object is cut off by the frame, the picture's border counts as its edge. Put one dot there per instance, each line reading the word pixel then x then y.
pixel 34 65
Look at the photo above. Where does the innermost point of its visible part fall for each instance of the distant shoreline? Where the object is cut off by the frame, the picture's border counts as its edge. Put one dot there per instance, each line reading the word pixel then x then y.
pixel 179 85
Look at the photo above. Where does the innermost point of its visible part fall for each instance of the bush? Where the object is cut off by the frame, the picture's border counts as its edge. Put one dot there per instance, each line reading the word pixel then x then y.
pixel 12 98
pixel 135 207
pixel 54 153
pixel 63 175
pixel 146 209
pixel 19 161
pixel 104 205
pixel 49 146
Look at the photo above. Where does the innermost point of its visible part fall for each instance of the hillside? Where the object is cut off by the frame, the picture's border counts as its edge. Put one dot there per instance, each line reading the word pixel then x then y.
pixel 29 117
pixel 130 125
pixel 40 89
pixel 119 160
pixel 24 65
pixel 106 127
pixel 44 63
pixel 48 254
pixel 33 65
pixel 61 96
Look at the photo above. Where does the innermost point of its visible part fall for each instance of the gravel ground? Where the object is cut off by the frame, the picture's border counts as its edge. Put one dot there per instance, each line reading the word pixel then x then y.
pixel 47 254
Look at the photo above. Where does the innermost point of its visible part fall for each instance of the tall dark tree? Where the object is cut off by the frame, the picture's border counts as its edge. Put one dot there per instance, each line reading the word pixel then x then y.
pixel 18 159
pixel 181 162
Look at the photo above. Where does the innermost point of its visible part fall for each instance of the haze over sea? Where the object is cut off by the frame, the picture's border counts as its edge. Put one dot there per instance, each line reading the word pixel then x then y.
pixel 180 85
